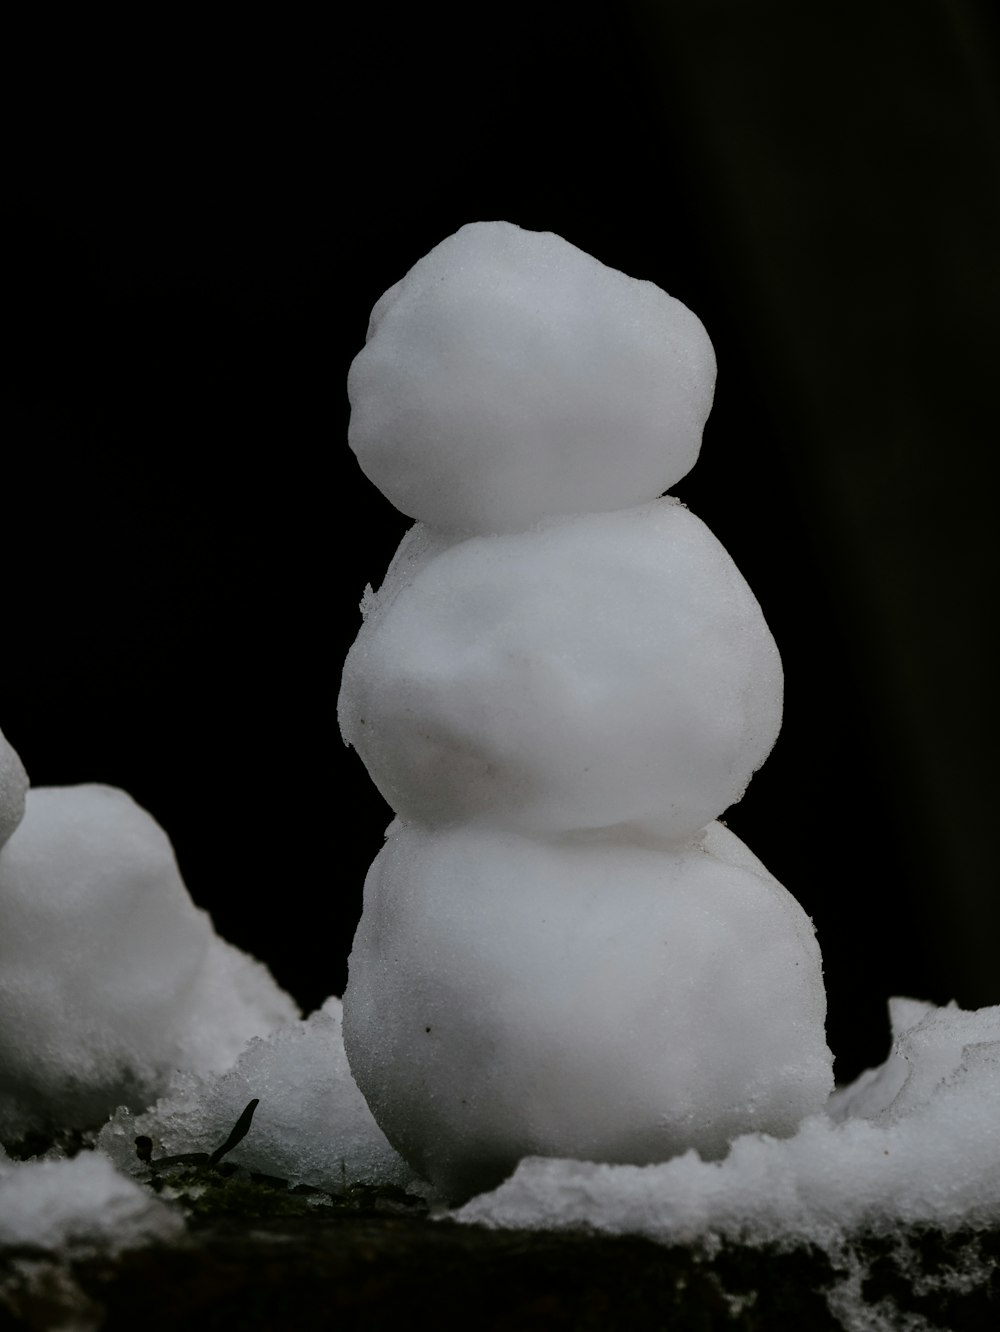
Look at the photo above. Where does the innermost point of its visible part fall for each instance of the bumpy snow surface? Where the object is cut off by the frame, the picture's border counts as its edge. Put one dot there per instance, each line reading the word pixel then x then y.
pixel 914 1141
pixel 560 686
pixel 82 1204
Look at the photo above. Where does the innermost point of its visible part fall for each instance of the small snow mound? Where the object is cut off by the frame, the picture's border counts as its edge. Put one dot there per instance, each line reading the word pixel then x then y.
pixel 80 1204
pixel 603 670
pixel 312 1125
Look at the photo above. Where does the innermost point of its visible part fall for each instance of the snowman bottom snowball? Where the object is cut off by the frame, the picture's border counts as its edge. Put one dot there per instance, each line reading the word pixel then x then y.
pixel 579 998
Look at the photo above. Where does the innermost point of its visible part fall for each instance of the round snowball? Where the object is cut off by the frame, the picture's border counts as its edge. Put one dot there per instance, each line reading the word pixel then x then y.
pixel 509 376
pixel 13 785
pixel 605 670
pixel 110 977
pixel 603 1001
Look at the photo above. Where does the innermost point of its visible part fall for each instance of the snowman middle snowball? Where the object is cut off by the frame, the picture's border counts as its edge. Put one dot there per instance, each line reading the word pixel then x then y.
pixel 561 684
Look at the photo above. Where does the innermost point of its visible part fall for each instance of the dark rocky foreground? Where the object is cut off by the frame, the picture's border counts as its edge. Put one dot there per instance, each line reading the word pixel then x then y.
pixel 368 1269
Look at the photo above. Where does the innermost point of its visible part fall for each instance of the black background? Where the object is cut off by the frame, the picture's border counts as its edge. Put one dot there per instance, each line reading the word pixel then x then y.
pixel 196 224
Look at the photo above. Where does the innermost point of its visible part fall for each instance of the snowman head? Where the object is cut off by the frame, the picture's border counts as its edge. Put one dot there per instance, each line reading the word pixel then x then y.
pixel 510 377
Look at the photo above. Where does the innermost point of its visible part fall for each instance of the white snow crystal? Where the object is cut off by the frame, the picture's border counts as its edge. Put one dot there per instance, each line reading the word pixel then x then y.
pixel 312 1125
pixel 80 1204
pixel 586 998
pixel 509 376
pixel 602 671
pixel 110 977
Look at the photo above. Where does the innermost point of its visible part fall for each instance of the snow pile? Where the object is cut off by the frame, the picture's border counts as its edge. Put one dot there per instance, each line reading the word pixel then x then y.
pixel 561 685
pixel 110 977
pixel 79 1204
pixel 312 1125
pixel 914 1142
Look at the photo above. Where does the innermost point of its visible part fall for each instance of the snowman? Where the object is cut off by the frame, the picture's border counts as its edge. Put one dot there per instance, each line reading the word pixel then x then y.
pixel 560 686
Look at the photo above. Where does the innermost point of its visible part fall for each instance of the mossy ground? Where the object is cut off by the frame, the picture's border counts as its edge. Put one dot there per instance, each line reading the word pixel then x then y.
pixel 219 1192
